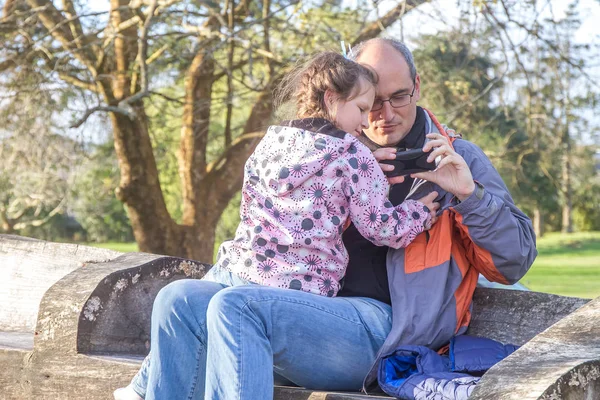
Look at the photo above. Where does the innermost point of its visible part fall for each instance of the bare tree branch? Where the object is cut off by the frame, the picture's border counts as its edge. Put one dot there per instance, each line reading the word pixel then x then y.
pixel 129 113
pixel 55 22
pixel 39 222
pixel 141 59
pixel 91 86
pixel 124 25
pixel 230 54
pixel 379 26
pixel 536 33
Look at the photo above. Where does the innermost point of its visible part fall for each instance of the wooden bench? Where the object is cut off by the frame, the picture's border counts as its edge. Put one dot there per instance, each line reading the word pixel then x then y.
pixel 91 328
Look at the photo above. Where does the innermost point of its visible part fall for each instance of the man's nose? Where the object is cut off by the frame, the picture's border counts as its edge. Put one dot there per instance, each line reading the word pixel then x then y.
pixel 387 112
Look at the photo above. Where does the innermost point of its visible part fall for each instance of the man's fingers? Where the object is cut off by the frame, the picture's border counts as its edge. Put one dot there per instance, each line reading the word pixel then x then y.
pixel 423 175
pixel 396 179
pixel 447 160
pixel 436 140
pixel 437 136
pixel 433 144
pixel 444 150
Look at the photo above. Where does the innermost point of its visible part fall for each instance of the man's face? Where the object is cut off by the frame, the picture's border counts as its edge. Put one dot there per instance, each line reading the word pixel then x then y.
pixel 390 125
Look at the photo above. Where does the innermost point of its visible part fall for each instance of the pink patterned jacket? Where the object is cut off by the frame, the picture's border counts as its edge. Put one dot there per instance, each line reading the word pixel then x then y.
pixel 303 182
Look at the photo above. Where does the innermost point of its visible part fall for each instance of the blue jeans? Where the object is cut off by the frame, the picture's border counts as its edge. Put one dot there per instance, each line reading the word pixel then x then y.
pixel 222 338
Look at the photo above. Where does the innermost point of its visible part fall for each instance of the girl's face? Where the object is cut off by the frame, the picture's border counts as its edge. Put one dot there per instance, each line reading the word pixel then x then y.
pixel 352 115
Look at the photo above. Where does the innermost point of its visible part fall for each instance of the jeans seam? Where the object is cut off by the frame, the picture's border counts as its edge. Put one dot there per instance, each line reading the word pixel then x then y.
pixel 193 388
pixel 239 358
pixel 137 389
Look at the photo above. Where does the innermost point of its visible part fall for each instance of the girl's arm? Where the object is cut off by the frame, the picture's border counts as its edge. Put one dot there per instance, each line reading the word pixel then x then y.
pixel 371 211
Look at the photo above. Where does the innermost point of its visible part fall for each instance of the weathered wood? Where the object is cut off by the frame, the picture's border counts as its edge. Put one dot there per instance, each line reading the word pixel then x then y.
pixel 105 307
pixel 29 268
pixel 16 340
pixel 14 374
pixel 101 307
pixel 515 316
pixel 93 328
pixel 563 362
pixel 290 393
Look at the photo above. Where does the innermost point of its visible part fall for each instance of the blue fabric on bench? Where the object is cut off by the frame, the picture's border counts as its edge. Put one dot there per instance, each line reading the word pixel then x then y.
pixel 419 373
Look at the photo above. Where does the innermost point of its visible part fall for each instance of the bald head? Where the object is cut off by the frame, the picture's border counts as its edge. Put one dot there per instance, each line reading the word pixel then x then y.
pixel 383 45
pixel 398 77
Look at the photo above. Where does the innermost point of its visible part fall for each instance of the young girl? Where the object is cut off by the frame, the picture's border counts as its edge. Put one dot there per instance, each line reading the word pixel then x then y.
pixel 305 181
pixel 310 176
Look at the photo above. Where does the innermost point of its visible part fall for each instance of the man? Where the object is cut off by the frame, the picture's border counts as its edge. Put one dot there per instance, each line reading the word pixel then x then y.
pixel 334 343
pixel 479 230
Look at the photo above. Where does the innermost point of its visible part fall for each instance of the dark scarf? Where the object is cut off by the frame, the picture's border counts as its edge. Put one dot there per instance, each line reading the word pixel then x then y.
pixel 413 140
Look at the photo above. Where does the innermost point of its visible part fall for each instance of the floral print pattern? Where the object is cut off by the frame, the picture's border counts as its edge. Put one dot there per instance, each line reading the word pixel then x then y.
pixel 301 185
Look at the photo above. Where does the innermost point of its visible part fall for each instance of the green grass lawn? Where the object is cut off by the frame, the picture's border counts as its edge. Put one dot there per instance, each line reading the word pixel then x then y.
pixel 567 264
pixel 123 247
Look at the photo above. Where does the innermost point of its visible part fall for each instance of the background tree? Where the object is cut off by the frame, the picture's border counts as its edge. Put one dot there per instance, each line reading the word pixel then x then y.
pixel 37 166
pixel 185 90
pixel 548 71
pixel 93 202
pixel 217 55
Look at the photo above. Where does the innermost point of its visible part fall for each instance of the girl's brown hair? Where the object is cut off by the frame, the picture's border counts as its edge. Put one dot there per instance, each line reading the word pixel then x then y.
pixel 305 86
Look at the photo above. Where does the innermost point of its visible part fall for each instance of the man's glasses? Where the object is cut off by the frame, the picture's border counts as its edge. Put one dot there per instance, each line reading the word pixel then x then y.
pixel 398 101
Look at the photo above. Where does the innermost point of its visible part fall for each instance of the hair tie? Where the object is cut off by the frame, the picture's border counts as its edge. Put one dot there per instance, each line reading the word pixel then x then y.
pixel 349 55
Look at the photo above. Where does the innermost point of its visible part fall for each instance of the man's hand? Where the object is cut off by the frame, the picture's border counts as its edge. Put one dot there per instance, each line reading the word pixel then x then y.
pixel 388 153
pixel 452 173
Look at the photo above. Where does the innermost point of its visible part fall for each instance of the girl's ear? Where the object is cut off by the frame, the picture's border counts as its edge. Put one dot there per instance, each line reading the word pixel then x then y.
pixel 330 101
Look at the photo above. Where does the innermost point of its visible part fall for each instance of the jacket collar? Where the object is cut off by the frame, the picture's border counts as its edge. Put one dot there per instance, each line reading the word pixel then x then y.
pixel 317 125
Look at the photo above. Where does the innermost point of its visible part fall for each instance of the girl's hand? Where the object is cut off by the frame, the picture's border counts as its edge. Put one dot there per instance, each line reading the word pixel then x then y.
pixel 452 173
pixel 432 205
pixel 388 153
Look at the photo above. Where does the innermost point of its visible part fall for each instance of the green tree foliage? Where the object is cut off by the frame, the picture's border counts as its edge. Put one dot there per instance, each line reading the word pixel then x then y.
pixel 218 62
pixel 518 88
pixel 458 82
pixel 94 204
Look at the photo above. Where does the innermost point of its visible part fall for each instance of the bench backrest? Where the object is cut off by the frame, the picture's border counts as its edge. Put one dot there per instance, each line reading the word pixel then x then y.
pixel 28 268
pixel 516 316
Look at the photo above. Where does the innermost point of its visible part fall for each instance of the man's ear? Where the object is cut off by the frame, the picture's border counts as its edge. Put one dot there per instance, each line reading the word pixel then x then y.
pixel 417 88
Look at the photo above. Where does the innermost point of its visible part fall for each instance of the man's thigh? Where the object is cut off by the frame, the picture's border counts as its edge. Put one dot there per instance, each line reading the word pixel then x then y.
pixel 320 342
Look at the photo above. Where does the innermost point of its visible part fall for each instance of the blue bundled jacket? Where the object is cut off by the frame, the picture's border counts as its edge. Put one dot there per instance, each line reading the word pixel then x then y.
pixel 417 372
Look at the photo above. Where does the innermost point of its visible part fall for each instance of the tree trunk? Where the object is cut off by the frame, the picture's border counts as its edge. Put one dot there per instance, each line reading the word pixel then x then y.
pixel 194 134
pixel 567 219
pixel 538 222
pixel 207 188
pixel 7 224
pixel 139 189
